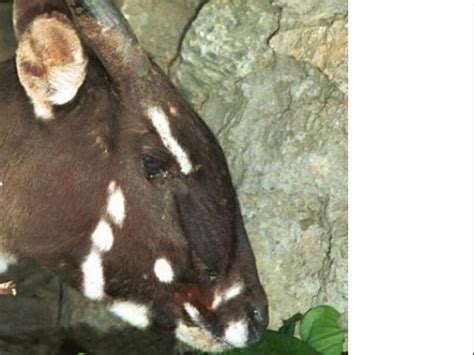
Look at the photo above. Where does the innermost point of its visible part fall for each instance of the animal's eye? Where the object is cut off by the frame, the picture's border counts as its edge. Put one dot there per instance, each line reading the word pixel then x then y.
pixel 154 166
pixel 212 274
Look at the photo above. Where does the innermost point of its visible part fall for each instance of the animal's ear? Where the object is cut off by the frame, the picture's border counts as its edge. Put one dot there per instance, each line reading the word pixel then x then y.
pixel 50 58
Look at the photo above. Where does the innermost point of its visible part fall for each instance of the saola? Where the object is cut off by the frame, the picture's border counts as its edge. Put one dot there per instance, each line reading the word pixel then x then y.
pixel 111 180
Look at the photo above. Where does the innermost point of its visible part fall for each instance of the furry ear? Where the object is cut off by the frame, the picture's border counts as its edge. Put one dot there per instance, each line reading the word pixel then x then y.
pixel 51 61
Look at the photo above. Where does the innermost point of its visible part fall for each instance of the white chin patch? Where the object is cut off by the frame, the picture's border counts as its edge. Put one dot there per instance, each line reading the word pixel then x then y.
pixel 5 261
pixel 163 270
pixel 237 334
pixel 132 313
pixel 199 338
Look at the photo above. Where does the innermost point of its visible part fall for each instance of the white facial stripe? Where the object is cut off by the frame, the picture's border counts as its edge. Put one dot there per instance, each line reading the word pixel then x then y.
pixel 132 313
pixel 163 270
pixel 102 237
pixel 67 79
pixel 93 276
pixel 161 124
pixel 237 333
pixel 193 313
pixel 116 204
pixel 6 260
pixel 199 338
pixel 227 295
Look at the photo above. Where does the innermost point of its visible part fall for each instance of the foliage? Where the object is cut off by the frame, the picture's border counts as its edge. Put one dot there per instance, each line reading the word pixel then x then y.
pixel 276 343
pixel 320 333
pixel 321 330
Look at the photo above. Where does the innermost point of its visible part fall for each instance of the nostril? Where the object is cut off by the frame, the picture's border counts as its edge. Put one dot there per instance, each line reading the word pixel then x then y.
pixel 258 322
pixel 255 316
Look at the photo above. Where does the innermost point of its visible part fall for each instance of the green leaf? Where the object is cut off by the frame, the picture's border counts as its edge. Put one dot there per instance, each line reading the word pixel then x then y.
pixel 321 330
pixel 275 343
pixel 289 325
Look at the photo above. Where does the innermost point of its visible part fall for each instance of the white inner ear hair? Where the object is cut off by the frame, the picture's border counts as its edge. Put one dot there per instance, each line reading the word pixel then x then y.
pixel 51 63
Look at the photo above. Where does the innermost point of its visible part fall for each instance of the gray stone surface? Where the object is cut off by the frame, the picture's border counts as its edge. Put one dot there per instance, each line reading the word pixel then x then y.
pixel 270 79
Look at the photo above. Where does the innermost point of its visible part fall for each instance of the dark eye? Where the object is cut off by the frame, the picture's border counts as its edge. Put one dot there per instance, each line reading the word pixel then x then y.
pixel 154 166
pixel 212 274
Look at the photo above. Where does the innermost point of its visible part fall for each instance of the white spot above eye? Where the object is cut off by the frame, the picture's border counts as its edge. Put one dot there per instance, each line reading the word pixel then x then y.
pixel 116 204
pixel 132 313
pixel 102 237
pixel 161 124
pixel 227 295
pixel 6 260
pixel 163 270
pixel 237 334
pixel 93 276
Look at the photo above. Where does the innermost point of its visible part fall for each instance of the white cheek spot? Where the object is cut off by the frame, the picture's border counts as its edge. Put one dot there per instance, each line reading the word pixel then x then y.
pixel 132 313
pixel 163 270
pixel 93 276
pixel 103 237
pixel 237 334
pixel 116 204
pixel 6 260
pixel 161 124
pixel 227 295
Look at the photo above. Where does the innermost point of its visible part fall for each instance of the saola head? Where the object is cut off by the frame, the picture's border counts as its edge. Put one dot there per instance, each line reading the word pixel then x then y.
pixel 162 239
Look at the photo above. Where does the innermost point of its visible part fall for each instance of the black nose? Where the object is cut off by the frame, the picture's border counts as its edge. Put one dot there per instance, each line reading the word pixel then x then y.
pixel 258 323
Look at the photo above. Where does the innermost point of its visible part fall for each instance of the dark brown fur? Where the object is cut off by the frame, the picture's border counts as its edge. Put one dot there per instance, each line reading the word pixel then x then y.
pixel 55 177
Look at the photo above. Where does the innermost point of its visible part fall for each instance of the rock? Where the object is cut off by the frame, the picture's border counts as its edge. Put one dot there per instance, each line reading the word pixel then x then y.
pixel 226 42
pixel 159 24
pixel 315 32
pixel 280 114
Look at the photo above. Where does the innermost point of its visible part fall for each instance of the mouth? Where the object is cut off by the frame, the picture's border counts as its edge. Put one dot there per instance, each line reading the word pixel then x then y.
pixel 194 332
pixel 198 337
